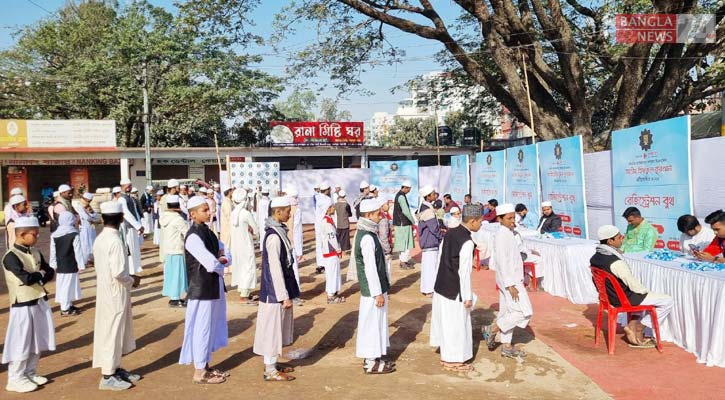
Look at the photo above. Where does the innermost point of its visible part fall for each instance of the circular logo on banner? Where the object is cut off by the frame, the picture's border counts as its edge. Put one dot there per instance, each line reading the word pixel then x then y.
pixel 393 167
pixel 489 159
pixel 557 151
pixel 645 140
pixel 521 156
pixel 12 128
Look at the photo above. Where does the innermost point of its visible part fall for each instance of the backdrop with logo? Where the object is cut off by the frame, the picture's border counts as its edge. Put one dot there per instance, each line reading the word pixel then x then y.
pixel 459 178
pixel 522 179
pixel 489 176
pixel 562 182
pixel 389 175
pixel 254 174
pixel 651 171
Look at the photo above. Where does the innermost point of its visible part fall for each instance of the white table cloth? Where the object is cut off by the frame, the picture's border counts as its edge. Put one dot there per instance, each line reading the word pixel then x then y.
pixel 697 321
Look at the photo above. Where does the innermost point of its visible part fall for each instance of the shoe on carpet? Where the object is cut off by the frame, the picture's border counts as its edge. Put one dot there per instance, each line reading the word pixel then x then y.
pixel 114 383
pixel 23 385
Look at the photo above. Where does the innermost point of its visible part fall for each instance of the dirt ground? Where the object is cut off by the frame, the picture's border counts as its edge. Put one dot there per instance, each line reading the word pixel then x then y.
pixel 331 371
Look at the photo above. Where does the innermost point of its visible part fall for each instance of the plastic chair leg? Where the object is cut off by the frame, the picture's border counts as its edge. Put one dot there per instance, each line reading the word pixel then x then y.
pixel 534 283
pixel 612 320
pixel 656 327
pixel 598 327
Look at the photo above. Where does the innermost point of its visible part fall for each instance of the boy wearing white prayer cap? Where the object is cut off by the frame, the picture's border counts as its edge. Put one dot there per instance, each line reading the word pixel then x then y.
pixel 30 326
pixel 364 191
pixel 372 325
pixel 63 203
pixel 132 228
pixel 343 213
pixel 243 229
pixel 514 305
pixel 403 222
pixel 275 318
pixel 113 329
pixel 156 217
pixel 18 208
pixel 87 229
pixel 67 259
pixel 8 210
pixel 330 249
pixel 430 237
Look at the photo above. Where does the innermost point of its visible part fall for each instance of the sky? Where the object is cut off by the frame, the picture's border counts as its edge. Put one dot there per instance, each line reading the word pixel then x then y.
pixel 380 80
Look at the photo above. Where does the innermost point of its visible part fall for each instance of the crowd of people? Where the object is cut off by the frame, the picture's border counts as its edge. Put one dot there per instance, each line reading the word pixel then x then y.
pixel 206 234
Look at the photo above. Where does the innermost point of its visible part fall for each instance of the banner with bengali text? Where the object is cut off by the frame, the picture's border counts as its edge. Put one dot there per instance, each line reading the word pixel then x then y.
pixel 312 133
pixel 389 175
pixel 522 180
pixel 488 176
pixel 651 171
pixel 562 182
pixel 459 178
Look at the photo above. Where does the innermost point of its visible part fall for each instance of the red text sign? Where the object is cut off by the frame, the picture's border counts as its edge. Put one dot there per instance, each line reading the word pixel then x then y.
pixel 317 133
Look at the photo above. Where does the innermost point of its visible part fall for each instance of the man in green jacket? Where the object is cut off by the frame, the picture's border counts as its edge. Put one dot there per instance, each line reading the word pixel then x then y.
pixel 641 235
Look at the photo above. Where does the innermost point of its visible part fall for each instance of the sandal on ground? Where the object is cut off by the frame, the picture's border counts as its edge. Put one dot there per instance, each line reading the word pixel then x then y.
pixel 209 379
pixel 218 372
pixel 457 367
pixel 278 376
pixel 645 344
pixel 285 368
pixel 378 367
pixel 335 300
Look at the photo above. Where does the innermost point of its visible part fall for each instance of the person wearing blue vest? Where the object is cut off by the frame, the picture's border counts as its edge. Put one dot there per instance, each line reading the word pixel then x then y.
pixel 275 319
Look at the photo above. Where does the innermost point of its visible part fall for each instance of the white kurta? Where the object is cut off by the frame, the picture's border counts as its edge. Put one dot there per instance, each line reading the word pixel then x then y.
pixel 262 214
pixel 328 242
pixel 244 267
pixel 87 231
pixel 133 240
pixel 450 327
pixel 510 272
pixel 67 285
pixel 428 270
pixel 30 331
pixel 113 329
pixel 372 324
pixel 297 240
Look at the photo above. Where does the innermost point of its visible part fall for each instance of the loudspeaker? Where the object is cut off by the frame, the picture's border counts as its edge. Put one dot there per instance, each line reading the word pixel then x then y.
pixel 445 136
pixel 471 137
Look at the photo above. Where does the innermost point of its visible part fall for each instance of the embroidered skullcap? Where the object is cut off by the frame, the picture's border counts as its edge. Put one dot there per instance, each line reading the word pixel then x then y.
pixel 324 186
pixel 116 189
pixel 172 198
pixel 27 222
pixel 88 196
pixel 172 183
pixel 455 210
pixel 282 201
pixel 370 205
pixel 195 202
pixel 373 188
pixel 125 182
pixel 607 232
pixel 545 204
pixel 341 193
pixel 506 208
pixel 426 190
pixel 291 191
pixel 364 184
pixel 111 207
pixel 472 211
pixel 63 188
pixel 160 192
pixel 15 191
pixel 17 199
pixel 239 195
pixel 134 190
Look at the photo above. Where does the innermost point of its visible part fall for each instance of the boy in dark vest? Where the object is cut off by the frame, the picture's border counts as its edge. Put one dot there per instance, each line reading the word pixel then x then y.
pixel 372 324
pixel 30 327
pixel 66 258
pixel 205 326
pixel 275 320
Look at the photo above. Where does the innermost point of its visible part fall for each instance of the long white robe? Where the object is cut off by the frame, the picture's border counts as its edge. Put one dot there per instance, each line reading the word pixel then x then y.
pixel 318 216
pixel 450 327
pixel 296 238
pixel 133 240
pixel 30 331
pixel 87 232
pixel 328 242
pixel 244 267
pixel 509 266
pixel 372 323
pixel 113 329
pixel 67 285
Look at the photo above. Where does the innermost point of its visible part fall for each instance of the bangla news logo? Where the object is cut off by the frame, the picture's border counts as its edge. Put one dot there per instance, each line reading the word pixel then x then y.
pixel 645 140
pixel 521 156
pixel 557 151
pixel 489 159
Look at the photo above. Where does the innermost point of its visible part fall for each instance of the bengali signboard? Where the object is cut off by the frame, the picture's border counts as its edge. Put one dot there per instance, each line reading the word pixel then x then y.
pixel 522 179
pixel 562 182
pixel 651 171
pixel 317 133
pixel 255 174
pixel 389 175
pixel 57 134
pixel 488 176
pixel 459 177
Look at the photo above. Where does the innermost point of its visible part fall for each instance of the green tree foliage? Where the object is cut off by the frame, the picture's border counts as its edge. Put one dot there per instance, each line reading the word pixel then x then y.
pixel 299 106
pixel 330 112
pixel 89 61
pixel 410 132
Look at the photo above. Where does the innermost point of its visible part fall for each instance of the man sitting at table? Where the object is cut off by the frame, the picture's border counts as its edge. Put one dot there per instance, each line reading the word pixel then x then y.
pixel 549 222
pixel 694 234
pixel 609 258
pixel 715 251
pixel 520 216
pixel 640 235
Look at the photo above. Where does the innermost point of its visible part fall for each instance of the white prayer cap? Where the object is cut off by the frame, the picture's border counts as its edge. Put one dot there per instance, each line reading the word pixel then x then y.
pixel 216 186
pixel 116 189
pixel 17 199
pixel 225 187
pixel 372 188
pixel 172 198
pixel 56 194
pixel 324 202
pixel 134 190
pixel 545 204
pixel 88 196
pixel 125 182
pixel 426 190
pixel 149 187
pixel 16 191
pixel 341 193
pixel 291 191
pixel 364 184
pixel 370 205
pixel 317 186
pixel 406 183
pixel 282 201
pixel 182 187
pixel 202 189
pixel 506 208
pixel 111 207
pixel 324 186
pixel 191 189
pixel 160 192
pixel 195 201
pixel 27 222
pixel 239 195
pixel 607 232
pixel 63 188
pixel 455 210
pixel 172 183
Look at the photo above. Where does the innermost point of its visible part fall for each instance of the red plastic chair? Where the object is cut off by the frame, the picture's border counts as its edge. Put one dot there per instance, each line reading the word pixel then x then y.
pixel 532 267
pixel 477 259
pixel 600 279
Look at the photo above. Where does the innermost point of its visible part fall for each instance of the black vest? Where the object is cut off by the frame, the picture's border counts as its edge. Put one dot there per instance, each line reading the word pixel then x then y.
pixel 266 289
pixel 131 205
pixel 203 285
pixel 604 262
pixel 65 257
pixel 399 219
pixel 448 283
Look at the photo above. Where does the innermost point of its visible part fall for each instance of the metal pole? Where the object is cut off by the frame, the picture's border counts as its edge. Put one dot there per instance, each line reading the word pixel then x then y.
pixel 528 97
pixel 146 126
pixel 438 140
pixel 218 158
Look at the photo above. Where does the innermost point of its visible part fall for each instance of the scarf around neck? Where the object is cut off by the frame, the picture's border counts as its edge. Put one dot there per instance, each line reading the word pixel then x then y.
pixel 367 225
pixel 281 230
pixel 610 251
